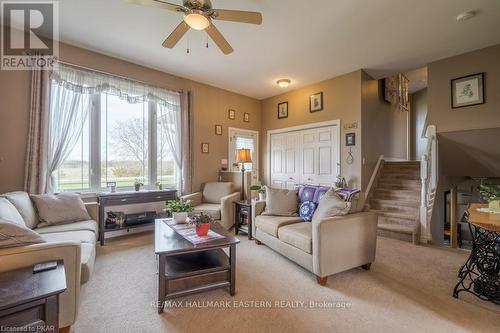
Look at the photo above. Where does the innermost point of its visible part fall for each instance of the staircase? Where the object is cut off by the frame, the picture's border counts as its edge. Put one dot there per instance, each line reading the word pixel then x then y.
pixel 396 199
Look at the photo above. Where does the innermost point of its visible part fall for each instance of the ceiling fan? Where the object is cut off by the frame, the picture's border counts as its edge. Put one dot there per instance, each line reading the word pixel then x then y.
pixel 198 15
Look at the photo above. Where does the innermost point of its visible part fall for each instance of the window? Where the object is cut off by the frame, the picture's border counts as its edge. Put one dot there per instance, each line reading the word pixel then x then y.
pixel 123 140
pixel 244 139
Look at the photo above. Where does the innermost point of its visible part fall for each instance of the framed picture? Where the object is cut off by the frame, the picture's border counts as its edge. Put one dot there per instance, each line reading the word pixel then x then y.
pixel 283 110
pixel 316 102
pixel 467 90
pixel 246 117
pixel 204 148
pixel 350 139
pixel 218 129
pixel 231 114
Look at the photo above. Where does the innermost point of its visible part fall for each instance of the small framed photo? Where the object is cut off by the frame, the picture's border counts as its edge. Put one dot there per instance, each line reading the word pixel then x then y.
pixel 246 117
pixel 350 139
pixel 283 110
pixel 467 91
pixel 205 148
pixel 316 102
pixel 231 114
pixel 218 129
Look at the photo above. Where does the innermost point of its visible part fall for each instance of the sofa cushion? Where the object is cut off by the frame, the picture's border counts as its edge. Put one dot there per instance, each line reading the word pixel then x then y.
pixel 331 204
pixel 60 208
pixel 212 210
pixel 271 224
pixel 8 212
pixel 281 202
pixel 83 236
pixel 298 235
pixel 14 234
pixel 87 260
pixel 89 225
pixel 21 200
pixel 214 192
pixel 306 210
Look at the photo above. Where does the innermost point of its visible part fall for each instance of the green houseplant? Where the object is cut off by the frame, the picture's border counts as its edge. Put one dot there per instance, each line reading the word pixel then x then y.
pixel 259 189
pixel 491 193
pixel 202 222
pixel 138 184
pixel 179 209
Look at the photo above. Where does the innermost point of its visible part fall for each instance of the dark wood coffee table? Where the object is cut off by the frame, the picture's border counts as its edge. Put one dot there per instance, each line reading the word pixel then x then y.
pixel 185 268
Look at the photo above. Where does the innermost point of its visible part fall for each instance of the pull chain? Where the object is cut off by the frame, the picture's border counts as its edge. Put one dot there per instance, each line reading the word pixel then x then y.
pixel 207 41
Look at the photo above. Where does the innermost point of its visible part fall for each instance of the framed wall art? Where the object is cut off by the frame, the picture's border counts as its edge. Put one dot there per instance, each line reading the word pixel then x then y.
pixel 246 117
pixel 218 129
pixel 231 114
pixel 316 102
pixel 467 91
pixel 205 148
pixel 283 110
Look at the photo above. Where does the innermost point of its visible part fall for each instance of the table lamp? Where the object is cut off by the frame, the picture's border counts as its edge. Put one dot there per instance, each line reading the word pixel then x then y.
pixel 243 156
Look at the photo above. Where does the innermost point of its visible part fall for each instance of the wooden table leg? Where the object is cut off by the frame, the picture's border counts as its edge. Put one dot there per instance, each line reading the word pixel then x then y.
pixel 232 263
pixel 161 282
pixel 100 223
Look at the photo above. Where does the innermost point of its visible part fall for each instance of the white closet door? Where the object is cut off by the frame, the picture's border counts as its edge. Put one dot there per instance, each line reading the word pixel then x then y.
pixel 305 157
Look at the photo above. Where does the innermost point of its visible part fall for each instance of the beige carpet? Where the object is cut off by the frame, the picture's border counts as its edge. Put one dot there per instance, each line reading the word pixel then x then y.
pixel 408 290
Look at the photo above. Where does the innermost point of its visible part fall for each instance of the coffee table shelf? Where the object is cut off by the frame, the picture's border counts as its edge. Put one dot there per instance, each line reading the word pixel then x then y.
pixel 197 263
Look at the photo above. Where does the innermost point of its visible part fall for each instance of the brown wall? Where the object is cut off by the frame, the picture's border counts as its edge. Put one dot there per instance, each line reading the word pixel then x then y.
pixel 384 129
pixel 418 112
pixel 440 73
pixel 341 100
pixel 210 107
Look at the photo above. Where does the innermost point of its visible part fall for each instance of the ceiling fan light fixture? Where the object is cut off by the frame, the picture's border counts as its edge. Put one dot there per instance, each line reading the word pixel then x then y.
pixel 283 83
pixel 197 21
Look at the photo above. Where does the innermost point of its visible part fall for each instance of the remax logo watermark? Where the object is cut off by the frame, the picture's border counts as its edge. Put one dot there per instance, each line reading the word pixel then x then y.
pixel 30 34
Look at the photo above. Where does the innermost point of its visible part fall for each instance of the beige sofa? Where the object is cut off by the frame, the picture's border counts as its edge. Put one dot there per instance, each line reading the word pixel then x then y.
pixel 323 247
pixel 74 243
pixel 216 200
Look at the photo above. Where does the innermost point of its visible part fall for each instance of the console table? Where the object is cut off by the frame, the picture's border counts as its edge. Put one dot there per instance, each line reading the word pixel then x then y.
pixel 480 275
pixel 128 198
pixel 30 302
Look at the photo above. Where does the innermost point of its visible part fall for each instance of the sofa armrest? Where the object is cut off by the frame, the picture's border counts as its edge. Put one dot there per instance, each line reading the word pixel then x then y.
pixel 93 210
pixel 257 209
pixel 227 209
pixel 343 242
pixel 196 198
pixel 68 251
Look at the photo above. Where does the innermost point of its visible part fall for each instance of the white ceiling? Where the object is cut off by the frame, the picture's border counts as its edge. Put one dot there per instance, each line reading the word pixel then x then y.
pixel 306 41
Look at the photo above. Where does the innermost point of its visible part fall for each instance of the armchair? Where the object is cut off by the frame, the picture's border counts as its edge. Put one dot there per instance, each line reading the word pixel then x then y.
pixel 216 200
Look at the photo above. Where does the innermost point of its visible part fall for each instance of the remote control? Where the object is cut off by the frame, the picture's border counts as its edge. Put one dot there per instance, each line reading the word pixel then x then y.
pixel 44 266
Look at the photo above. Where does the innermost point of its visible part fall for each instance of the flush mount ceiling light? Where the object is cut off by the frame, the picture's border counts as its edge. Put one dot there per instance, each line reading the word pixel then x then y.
pixel 466 15
pixel 283 83
pixel 197 20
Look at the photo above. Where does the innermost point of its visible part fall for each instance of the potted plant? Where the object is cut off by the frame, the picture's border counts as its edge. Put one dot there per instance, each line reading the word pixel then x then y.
pixel 259 189
pixel 491 193
pixel 179 209
pixel 138 184
pixel 202 223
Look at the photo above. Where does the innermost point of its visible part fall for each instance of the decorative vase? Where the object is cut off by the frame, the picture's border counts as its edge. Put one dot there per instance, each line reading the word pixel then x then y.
pixel 202 229
pixel 179 217
pixel 137 187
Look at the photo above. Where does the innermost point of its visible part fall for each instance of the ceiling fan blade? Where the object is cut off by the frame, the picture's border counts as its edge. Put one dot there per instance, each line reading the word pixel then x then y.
pixel 238 16
pixel 176 35
pixel 217 37
pixel 159 4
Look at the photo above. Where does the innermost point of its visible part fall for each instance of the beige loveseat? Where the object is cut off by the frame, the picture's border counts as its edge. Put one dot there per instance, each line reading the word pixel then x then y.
pixel 74 243
pixel 323 247
pixel 216 200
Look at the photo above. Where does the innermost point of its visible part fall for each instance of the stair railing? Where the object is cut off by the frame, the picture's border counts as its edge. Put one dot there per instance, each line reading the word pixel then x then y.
pixel 429 179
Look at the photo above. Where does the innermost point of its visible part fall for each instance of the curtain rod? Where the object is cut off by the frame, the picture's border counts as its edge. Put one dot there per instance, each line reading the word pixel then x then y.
pixel 115 75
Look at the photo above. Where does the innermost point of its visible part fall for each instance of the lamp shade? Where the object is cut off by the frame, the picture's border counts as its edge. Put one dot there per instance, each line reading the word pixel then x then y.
pixel 244 156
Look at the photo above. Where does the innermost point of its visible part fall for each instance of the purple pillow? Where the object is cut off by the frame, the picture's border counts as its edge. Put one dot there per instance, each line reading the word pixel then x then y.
pixel 347 193
pixel 306 210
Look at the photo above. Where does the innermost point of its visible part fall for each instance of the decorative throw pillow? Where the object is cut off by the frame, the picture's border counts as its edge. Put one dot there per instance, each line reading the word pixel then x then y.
pixel 9 212
pixel 331 204
pixel 60 208
pixel 213 192
pixel 281 202
pixel 306 210
pixel 13 234
pixel 22 202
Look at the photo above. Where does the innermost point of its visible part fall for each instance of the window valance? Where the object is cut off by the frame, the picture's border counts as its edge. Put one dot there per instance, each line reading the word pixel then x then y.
pixel 90 82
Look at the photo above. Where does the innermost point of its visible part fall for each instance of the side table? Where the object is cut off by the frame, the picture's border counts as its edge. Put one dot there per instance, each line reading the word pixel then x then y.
pixel 242 213
pixel 30 302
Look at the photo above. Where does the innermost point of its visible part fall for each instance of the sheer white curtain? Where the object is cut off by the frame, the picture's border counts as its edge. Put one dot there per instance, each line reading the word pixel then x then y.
pixel 169 119
pixel 67 115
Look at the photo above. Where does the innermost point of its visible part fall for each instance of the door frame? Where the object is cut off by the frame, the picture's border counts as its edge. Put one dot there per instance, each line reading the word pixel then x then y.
pixel 338 145
pixel 257 147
